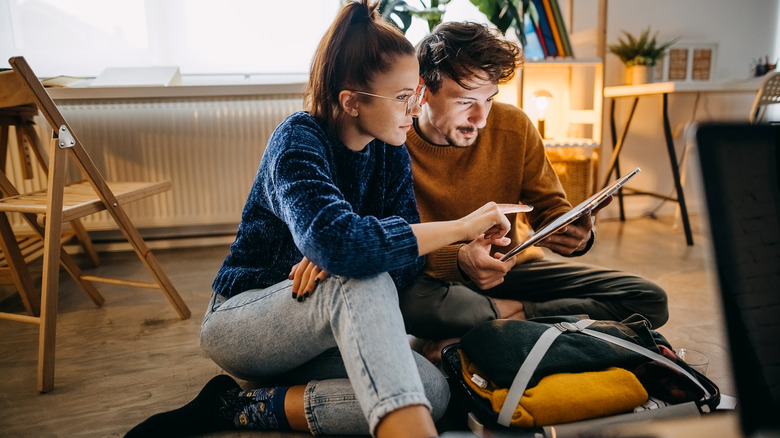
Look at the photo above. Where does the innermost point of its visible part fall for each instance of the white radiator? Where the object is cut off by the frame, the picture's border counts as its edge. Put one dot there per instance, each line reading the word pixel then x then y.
pixel 209 148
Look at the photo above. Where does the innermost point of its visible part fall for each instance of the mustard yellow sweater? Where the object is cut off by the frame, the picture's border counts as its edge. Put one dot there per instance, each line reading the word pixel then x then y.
pixel 507 164
pixel 564 397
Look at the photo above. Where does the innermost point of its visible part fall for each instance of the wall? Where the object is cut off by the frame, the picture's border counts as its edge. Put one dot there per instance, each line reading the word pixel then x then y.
pixel 743 31
pixel 207 141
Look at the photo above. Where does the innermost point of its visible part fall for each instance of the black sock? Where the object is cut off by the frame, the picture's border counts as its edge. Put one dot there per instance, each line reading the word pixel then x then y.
pixel 201 415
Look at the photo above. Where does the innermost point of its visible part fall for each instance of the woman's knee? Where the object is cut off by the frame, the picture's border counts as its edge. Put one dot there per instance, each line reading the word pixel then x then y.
pixel 375 287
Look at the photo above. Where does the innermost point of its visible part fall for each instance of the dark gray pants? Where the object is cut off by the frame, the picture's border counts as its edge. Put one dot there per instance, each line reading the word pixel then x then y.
pixel 435 309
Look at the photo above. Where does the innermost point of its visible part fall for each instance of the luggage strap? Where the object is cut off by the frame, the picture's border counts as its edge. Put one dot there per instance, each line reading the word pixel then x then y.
pixel 527 369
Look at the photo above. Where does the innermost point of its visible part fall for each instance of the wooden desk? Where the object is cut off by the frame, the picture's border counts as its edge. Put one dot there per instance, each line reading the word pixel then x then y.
pixel 663 89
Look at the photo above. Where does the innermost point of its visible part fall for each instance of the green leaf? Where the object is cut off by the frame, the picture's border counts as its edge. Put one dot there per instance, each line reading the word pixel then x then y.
pixel 641 50
pixel 397 13
pixel 505 14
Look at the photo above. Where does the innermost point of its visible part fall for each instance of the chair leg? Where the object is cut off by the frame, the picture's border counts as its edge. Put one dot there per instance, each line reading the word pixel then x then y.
pixel 48 321
pixel 68 263
pixel 51 269
pixel 165 284
pixel 151 263
pixel 19 272
pixel 85 241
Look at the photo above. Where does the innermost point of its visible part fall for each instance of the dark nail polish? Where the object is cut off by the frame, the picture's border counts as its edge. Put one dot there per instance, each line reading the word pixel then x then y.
pixel 300 299
pixel 306 295
pixel 294 295
pixel 316 281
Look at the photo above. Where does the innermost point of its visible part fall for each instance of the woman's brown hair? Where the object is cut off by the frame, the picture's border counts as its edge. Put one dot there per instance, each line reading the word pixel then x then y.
pixel 357 46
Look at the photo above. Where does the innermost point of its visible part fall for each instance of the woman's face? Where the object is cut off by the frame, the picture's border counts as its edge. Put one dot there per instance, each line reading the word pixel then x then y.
pixel 386 119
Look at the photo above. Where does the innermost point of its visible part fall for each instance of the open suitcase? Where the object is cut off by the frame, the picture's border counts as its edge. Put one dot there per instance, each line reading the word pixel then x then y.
pixel 521 353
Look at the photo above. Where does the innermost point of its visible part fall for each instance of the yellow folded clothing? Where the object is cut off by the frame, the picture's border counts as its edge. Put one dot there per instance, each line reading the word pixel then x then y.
pixel 564 397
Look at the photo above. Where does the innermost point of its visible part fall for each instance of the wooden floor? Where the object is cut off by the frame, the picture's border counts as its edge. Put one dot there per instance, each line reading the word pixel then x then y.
pixel 132 357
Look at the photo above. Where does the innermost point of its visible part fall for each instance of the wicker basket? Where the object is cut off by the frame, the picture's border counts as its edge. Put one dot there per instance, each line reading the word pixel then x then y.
pixel 575 168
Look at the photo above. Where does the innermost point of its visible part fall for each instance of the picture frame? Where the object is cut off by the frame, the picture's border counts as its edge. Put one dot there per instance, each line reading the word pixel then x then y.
pixel 687 62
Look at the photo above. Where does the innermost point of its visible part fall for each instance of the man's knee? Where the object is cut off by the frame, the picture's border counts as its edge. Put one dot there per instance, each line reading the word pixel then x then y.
pixel 657 302
pixel 435 309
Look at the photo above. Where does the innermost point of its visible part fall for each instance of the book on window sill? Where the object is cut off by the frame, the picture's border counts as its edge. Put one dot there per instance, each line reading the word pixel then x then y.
pixel 64 81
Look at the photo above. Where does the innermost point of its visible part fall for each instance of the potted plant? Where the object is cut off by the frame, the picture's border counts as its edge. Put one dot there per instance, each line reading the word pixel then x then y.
pixel 639 54
pixel 400 13
pixel 502 13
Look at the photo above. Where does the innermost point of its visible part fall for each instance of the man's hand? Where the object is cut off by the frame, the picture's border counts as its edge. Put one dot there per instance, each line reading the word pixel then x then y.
pixel 305 276
pixel 575 236
pixel 484 270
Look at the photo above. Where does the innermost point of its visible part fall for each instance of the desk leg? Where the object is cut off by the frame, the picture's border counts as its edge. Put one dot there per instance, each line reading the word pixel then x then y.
pixel 617 146
pixel 676 170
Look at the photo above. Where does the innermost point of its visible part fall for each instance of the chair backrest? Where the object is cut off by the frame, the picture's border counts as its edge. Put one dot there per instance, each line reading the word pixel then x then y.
pixel 32 88
pixel 18 108
pixel 13 90
pixel 768 94
pixel 29 87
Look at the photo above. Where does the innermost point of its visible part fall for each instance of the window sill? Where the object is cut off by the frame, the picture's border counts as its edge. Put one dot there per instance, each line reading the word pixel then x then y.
pixel 192 86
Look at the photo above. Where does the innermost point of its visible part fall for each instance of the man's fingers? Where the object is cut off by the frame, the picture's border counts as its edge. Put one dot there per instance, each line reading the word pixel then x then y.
pixel 602 205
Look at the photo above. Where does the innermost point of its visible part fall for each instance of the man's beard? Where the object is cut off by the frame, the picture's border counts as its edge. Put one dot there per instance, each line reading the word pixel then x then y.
pixel 469 130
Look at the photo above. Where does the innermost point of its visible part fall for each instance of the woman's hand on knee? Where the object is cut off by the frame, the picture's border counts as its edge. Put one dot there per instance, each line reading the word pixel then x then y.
pixel 305 276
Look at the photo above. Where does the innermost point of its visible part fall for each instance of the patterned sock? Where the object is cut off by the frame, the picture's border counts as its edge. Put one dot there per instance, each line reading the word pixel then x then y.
pixel 201 415
pixel 261 408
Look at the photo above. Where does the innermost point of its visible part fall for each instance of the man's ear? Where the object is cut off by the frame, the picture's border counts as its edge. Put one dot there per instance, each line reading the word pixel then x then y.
pixel 425 92
pixel 349 102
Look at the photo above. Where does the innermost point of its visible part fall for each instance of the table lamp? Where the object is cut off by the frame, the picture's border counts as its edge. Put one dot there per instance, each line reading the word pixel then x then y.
pixel 542 102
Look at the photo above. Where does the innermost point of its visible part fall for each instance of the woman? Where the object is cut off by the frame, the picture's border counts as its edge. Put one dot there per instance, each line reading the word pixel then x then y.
pixel 333 191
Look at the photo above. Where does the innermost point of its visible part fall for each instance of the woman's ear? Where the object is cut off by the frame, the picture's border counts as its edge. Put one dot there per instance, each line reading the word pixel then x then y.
pixel 349 102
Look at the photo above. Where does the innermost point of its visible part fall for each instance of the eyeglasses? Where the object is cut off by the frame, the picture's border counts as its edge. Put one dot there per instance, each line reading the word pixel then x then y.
pixel 411 101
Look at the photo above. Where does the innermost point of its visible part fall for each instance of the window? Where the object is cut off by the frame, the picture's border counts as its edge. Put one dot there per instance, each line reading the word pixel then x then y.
pixel 82 37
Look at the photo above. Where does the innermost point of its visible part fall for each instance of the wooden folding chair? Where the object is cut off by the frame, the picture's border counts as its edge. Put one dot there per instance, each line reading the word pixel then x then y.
pixel 29 246
pixel 46 210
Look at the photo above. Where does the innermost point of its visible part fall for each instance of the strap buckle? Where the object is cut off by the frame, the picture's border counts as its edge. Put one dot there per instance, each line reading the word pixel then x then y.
pixel 566 326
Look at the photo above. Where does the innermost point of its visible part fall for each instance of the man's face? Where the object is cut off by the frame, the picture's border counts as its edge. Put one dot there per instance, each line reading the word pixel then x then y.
pixel 454 115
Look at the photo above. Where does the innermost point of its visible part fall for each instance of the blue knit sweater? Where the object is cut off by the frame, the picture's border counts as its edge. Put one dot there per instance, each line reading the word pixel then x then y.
pixel 348 212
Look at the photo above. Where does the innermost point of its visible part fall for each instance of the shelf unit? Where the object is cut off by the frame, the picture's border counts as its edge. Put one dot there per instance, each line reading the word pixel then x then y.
pixel 572 120
pixel 575 108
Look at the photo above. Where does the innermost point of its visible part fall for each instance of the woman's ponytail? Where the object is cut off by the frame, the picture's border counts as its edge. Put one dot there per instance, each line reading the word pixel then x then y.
pixel 357 46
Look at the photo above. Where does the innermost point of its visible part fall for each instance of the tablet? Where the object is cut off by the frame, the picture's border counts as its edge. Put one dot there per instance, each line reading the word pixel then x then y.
pixel 572 215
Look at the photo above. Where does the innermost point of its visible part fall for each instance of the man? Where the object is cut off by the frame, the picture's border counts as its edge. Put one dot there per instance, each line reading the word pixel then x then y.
pixel 467 150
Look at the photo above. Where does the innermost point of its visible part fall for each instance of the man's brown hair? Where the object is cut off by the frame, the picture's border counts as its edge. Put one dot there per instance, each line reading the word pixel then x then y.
pixel 462 50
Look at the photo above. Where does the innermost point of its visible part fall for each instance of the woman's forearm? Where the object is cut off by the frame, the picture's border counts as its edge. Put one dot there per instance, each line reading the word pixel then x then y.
pixel 488 220
pixel 434 235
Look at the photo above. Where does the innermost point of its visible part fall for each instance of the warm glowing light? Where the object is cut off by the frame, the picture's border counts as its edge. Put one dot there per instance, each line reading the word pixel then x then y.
pixel 542 101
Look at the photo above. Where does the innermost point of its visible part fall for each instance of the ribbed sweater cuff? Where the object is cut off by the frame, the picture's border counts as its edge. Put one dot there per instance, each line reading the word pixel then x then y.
pixel 443 264
pixel 587 248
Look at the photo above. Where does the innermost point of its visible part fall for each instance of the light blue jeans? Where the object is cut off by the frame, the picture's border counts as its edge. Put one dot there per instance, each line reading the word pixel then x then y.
pixel 264 334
